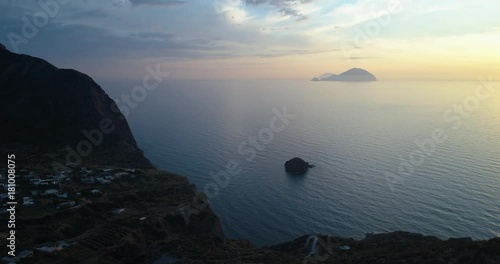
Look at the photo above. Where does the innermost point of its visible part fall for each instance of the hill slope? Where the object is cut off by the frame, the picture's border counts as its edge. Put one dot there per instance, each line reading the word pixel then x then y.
pixel 51 108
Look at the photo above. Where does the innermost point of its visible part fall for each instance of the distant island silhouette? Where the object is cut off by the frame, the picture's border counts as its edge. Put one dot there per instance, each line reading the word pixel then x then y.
pixel 352 75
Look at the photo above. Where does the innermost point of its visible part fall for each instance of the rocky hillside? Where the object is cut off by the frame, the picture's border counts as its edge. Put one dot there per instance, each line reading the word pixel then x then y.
pixel 396 247
pixel 43 106
pixel 134 220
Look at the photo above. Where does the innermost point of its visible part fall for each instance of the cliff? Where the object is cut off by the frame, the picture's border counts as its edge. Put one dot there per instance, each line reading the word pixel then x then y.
pixel 45 107
pixel 133 216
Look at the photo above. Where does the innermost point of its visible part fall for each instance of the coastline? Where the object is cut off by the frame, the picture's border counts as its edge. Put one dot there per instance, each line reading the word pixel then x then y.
pixel 112 206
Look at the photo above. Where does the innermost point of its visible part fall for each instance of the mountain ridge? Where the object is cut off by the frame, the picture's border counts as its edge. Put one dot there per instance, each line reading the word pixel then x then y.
pixel 54 108
pixel 351 75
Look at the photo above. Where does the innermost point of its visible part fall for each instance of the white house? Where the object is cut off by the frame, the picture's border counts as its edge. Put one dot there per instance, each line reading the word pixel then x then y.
pixel 119 211
pixel 28 201
pixel 110 178
pixel 67 204
pixel 88 180
pixel 18 257
pixel 102 181
pixel 121 174
pixel 51 249
pixel 35 181
pixel 50 192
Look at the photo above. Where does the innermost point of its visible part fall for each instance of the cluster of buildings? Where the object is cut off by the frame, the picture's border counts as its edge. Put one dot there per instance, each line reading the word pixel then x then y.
pixel 106 176
pixel 21 255
pixel 52 186
pixel 49 186
pixel 46 249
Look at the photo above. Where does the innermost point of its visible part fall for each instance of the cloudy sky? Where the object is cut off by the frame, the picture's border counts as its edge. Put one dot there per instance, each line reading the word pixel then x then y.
pixel 228 39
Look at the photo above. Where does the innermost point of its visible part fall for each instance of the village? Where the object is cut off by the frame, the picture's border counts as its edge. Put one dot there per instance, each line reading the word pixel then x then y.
pixel 43 194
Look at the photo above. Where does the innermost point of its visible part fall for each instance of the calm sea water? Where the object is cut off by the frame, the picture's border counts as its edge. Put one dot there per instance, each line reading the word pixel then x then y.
pixel 355 133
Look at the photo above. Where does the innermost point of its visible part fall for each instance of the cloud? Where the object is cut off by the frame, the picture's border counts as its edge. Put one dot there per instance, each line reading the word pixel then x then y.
pixel 363 58
pixel 287 8
pixel 289 52
pixel 232 11
pixel 158 2
pixel 158 36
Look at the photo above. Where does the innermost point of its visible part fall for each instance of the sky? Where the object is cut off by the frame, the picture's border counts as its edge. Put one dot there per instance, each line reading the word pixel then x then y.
pixel 259 39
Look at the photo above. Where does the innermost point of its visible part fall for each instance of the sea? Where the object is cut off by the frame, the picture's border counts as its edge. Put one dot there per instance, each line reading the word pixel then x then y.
pixel 417 156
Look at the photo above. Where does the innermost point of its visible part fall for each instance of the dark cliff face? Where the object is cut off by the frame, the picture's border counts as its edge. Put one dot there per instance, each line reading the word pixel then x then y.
pixel 43 106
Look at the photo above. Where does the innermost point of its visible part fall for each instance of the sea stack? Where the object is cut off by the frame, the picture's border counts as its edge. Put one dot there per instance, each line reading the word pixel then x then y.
pixel 297 166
